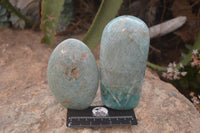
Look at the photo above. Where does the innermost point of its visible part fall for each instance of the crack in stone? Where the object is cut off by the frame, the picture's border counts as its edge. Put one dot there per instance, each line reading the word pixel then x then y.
pixel 127 33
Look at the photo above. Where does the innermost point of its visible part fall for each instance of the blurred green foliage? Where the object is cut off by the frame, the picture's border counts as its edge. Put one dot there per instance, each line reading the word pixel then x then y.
pixel 66 15
pixel 107 11
pixel 50 15
pixel 4 19
pixel 12 9
pixel 51 10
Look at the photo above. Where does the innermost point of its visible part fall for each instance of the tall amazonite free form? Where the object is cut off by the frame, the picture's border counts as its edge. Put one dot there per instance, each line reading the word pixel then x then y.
pixel 123 57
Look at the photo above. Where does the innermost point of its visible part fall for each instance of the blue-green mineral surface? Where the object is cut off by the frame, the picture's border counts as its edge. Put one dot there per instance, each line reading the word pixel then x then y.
pixel 123 57
pixel 73 74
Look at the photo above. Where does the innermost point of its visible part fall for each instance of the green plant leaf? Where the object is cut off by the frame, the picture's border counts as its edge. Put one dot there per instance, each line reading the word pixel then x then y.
pixel 156 67
pixel 51 10
pixel 107 11
pixel 12 9
pixel 66 16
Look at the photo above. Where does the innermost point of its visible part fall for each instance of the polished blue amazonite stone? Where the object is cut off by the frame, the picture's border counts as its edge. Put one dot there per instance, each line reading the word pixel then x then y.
pixel 123 57
pixel 73 74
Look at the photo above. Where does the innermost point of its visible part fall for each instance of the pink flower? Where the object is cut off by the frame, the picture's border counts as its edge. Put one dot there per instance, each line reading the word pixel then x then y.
pixel 181 65
pixel 172 72
pixel 176 77
pixel 195 100
pixel 183 73
pixel 195 51
pixel 170 65
pixel 174 64
pixel 192 64
pixel 169 70
pixel 164 75
pixel 191 94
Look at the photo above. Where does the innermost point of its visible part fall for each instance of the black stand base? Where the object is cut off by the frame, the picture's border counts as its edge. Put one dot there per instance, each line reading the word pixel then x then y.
pixel 100 116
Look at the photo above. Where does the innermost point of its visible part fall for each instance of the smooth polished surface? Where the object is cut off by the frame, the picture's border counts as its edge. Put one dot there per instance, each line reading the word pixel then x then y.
pixel 123 57
pixel 73 74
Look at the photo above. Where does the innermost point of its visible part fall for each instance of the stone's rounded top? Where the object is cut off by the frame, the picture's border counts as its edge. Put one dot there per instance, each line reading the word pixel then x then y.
pixel 73 74
pixel 128 22
pixel 72 42
pixel 129 18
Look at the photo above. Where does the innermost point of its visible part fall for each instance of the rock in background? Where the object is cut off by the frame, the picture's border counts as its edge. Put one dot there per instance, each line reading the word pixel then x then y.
pixel 4 16
pixel 28 106
pixel 31 7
